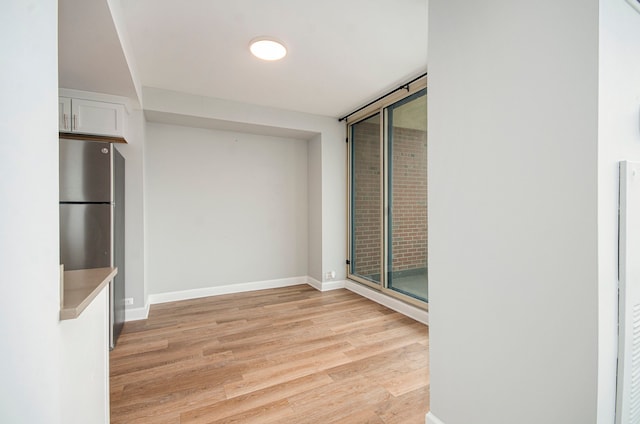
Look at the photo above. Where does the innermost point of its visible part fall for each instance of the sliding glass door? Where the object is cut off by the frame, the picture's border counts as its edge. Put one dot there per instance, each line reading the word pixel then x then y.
pixel 366 200
pixel 407 196
pixel 388 198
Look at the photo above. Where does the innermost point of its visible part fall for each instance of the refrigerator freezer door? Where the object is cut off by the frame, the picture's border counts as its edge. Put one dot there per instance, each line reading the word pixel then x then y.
pixel 85 171
pixel 85 235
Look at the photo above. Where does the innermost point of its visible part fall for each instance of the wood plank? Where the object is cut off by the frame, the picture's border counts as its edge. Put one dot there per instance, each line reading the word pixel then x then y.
pixel 406 408
pixel 243 403
pixel 275 412
pixel 282 355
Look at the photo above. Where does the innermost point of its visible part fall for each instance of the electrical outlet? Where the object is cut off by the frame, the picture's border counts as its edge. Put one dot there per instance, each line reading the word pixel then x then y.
pixel 329 275
pixel 128 301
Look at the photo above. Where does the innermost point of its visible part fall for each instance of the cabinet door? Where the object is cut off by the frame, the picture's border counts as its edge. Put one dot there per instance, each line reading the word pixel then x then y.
pixel 101 118
pixel 64 114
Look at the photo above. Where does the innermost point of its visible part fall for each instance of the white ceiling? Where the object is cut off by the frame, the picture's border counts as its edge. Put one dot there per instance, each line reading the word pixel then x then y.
pixel 342 54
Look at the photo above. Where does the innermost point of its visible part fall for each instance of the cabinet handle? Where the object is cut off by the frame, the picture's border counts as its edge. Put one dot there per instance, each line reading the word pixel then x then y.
pixel 64 121
pixel 74 122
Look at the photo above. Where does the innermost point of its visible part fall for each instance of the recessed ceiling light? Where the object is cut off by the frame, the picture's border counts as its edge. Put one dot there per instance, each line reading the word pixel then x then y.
pixel 266 48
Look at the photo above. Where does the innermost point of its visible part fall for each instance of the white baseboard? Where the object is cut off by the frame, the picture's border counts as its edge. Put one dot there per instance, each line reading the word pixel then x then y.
pixel 314 283
pixel 135 314
pixel 326 285
pixel 228 289
pixel 391 303
pixel 418 314
pixel 432 419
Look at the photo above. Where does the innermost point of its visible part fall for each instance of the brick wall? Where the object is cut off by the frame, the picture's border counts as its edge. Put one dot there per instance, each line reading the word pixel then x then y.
pixel 408 197
pixel 366 197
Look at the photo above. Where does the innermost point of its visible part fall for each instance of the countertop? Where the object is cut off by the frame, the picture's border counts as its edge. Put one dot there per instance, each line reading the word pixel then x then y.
pixel 80 287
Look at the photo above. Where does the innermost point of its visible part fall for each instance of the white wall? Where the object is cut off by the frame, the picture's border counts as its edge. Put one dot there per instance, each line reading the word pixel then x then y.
pixel 30 362
pixel 192 110
pixel 133 152
pixel 334 198
pixel 115 7
pixel 619 139
pixel 513 171
pixel 314 193
pixel 223 208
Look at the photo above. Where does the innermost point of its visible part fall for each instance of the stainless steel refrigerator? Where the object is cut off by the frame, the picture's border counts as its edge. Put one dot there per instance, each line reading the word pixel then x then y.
pixel 92 215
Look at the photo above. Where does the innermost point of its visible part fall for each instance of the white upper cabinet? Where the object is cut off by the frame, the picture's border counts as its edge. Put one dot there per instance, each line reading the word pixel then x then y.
pixel 64 114
pixel 91 117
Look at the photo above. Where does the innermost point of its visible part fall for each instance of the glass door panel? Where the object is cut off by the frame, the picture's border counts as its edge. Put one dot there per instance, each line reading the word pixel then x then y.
pixel 407 196
pixel 366 200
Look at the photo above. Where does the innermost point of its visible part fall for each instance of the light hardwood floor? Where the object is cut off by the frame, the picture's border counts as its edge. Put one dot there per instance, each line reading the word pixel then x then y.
pixel 288 355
